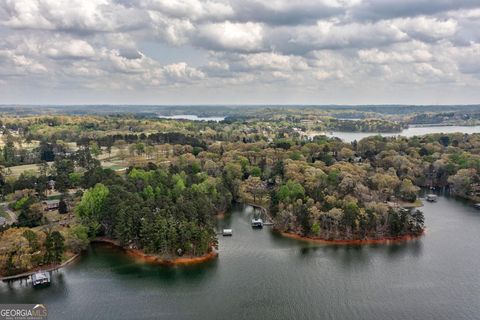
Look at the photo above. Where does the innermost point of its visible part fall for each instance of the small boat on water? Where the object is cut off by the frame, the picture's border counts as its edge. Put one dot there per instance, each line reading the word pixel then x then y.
pixel 41 278
pixel 477 206
pixel 227 232
pixel 257 223
pixel 432 197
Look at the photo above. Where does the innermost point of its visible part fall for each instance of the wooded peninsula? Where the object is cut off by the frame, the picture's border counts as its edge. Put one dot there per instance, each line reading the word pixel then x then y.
pixel 156 185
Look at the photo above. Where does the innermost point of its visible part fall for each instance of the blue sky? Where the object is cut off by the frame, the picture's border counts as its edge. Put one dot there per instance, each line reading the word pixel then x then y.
pixel 240 51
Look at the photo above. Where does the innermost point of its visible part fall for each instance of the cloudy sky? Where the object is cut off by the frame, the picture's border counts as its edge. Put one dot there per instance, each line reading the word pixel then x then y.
pixel 240 51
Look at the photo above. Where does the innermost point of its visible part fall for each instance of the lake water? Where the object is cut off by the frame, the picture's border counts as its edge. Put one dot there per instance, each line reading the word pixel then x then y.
pixel 193 118
pixel 260 275
pixel 409 132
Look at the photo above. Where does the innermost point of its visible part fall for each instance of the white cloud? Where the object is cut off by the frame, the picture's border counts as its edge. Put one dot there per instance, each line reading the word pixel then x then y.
pixel 232 36
pixel 12 64
pixel 193 9
pixel 402 54
pixel 72 49
pixel 271 61
pixel 284 44
pixel 325 75
pixel 173 31
pixel 333 34
pixel 182 72
pixel 427 28
pixel 77 16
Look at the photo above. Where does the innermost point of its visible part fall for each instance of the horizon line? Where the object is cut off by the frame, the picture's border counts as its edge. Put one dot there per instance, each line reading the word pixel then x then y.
pixel 235 105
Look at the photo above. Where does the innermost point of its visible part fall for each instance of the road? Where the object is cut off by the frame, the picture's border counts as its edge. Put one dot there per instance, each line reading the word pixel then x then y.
pixel 12 215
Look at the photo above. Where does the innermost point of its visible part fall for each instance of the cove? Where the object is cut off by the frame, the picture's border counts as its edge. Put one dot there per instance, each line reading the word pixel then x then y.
pixel 262 275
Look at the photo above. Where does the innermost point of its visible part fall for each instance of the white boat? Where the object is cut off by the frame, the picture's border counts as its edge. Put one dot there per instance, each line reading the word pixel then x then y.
pixel 257 223
pixel 40 278
pixel 432 197
pixel 227 232
pixel 477 206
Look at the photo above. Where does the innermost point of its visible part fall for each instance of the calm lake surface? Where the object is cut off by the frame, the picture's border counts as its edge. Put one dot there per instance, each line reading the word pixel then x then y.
pixel 260 275
pixel 409 132
pixel 193 118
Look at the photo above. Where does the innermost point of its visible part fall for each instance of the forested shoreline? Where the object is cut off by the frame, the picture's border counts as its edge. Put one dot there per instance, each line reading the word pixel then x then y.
pixel 155 185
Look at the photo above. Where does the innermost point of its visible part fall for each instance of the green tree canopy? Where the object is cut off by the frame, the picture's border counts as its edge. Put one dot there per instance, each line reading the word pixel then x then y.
pixel 90 208
pixel 292 190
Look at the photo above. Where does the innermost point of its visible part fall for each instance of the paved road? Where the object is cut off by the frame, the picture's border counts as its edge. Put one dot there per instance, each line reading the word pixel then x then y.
pixel 12 215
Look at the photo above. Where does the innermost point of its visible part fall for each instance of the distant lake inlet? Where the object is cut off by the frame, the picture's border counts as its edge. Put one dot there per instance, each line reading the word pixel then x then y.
pixel 409 132
pixel 192 117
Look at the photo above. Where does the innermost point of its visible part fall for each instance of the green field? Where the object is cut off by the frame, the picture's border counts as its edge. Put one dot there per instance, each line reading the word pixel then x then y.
pixel 18 170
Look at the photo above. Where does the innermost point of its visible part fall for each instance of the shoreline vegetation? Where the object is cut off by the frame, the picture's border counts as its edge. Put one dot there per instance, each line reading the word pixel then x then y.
pixel 135 253
pixel 27 274
pixel 385 240
pixel 157 259
pixel 382 240
pixel 213 254
pixel 179 177
pixel 138 254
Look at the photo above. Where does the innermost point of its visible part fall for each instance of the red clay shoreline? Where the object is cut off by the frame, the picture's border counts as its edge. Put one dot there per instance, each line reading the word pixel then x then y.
pixel 387 240
pixel 155 259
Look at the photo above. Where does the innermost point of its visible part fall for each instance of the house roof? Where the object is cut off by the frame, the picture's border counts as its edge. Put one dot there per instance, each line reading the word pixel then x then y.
pixel 39 276
pixel 49 202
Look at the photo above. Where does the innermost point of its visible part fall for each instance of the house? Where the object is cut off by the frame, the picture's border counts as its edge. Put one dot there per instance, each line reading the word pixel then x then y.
pixel 51 184
pixel 51 205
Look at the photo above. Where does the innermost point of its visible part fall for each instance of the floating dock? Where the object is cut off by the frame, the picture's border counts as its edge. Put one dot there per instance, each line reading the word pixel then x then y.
pixel 257 223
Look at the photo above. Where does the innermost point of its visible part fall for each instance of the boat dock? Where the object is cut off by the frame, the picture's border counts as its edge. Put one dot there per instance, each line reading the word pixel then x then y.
pixel 40 278
pixel 267 220
pixel 27 275
pixel 257 223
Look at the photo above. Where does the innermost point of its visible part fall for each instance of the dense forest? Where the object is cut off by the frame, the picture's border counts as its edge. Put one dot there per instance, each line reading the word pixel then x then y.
pixel 362 125
pixel 156 210
pixel 248 111
pixel 156 184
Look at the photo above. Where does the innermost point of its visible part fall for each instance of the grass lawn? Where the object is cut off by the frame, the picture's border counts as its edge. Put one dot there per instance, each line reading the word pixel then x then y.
pixel 53 216
pixel 54 197
pixel 18 170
